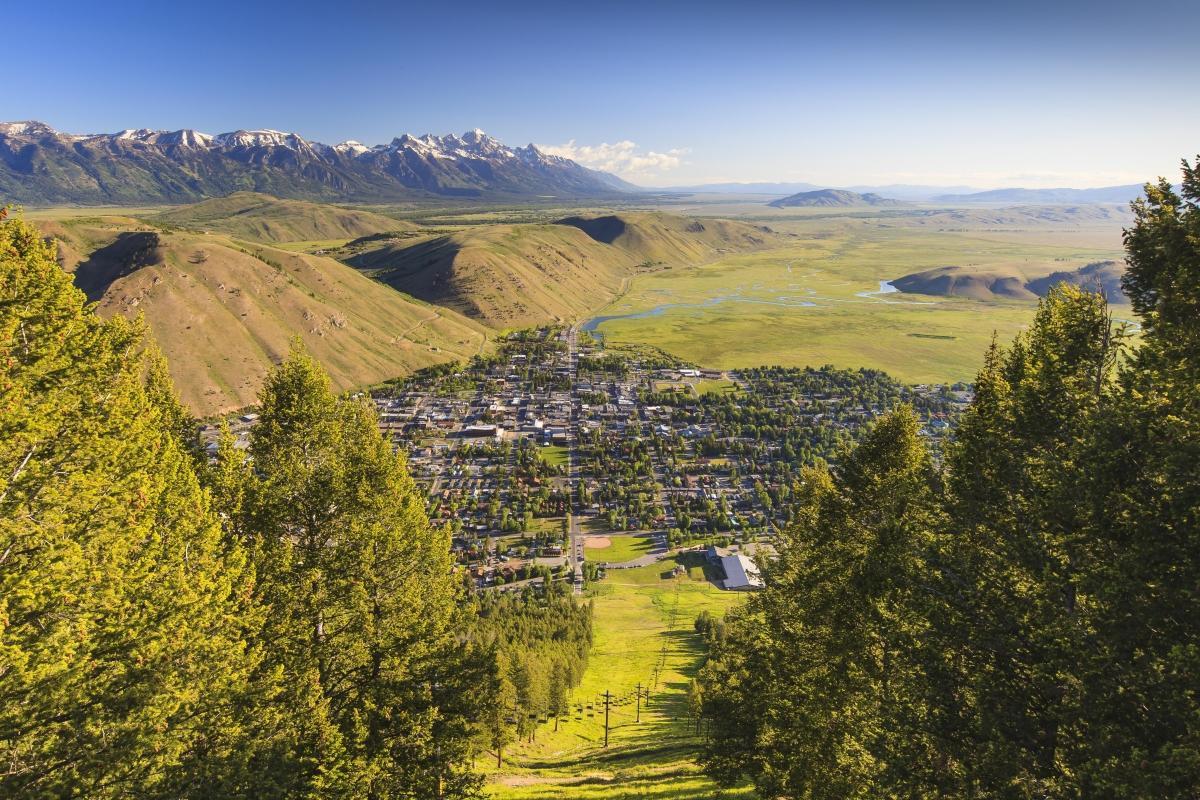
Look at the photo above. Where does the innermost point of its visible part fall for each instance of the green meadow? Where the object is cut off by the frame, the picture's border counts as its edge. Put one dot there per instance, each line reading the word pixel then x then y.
pixel 643 635
pixel 817 301
pixel 621 548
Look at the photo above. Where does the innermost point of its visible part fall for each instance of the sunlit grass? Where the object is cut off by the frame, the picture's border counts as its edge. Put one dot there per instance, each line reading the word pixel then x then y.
pixel 621 548
pixel 643 635
pixel 553 455
pixel 763 316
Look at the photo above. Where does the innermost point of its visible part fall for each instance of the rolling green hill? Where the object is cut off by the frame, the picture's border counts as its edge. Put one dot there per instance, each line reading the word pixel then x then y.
pixel 223 310
pixel 261 217
pixel 514 275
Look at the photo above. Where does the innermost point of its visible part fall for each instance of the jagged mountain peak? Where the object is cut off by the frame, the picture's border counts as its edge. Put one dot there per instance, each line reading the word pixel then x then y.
pixel 26 128
pixel 39 165
pixel 264 137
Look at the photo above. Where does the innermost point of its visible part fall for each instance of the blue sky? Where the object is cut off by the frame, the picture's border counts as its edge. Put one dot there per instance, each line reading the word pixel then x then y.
pixel 665 93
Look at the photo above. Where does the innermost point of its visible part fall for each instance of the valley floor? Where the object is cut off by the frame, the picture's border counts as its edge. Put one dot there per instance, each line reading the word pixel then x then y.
pixel 820 301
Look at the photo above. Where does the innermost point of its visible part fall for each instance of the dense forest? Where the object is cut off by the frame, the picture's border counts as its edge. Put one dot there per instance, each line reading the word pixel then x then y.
pixel 1021 620
pixel 283 622
pixel 542 642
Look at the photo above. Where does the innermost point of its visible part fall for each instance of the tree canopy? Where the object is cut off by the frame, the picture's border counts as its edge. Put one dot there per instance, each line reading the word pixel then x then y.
pixel 1021 621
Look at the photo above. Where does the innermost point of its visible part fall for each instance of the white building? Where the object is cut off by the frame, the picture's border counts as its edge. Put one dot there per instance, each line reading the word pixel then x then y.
pixel 740 573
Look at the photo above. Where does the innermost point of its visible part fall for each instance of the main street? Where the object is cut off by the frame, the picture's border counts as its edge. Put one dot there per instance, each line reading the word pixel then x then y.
pixel 575 556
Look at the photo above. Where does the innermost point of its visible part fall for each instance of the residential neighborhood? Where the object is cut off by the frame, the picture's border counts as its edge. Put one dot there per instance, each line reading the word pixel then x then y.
pixel 561 458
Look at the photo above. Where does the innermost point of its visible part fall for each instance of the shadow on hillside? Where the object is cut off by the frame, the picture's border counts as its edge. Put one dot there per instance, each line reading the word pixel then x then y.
pixel 130 252
pixel 424 270
pixel 603 229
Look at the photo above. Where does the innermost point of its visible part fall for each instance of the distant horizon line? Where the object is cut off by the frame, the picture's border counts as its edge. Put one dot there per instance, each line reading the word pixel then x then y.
pixel 950 187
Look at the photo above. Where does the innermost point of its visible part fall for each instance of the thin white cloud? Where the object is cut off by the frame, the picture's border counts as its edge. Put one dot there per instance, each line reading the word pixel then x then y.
pixel 622 158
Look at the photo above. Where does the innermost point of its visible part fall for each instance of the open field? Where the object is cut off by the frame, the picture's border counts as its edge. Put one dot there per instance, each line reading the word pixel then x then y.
pixel 819 301
pixel 642 621
pixel 553 455
pixel 619 548
pixel 720 386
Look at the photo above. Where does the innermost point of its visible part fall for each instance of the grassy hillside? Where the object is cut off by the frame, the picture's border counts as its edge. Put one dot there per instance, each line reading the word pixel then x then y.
pixel 643 635
pixel 670 239
pixel 261 217
pixel 515 275
pixel 223 310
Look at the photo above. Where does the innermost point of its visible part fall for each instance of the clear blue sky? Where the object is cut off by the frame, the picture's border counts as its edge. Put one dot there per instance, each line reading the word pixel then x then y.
pixel 1042 93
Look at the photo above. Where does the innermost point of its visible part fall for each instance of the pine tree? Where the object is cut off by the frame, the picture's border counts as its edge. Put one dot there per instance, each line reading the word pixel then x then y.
pixel 557 693
pixel 1141 698
pixel 359 598
pixel 1014 567
pixel 811 694
pixel 498 701
pixel 119 604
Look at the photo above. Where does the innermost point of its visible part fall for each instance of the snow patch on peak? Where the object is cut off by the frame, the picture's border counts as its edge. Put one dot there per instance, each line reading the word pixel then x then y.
pixel 140 134
pixel 26 128
pixel 352 147
pixel 265 137
pixel 185 137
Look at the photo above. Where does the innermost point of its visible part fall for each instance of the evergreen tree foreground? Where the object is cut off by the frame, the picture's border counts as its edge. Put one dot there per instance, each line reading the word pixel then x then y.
pixel 1022 622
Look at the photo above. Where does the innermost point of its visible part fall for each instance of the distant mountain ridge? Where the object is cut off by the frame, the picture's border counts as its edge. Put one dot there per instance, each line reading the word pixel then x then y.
pixel 42 166
pixel 1104 194
pixel 832 198
pixel 900 191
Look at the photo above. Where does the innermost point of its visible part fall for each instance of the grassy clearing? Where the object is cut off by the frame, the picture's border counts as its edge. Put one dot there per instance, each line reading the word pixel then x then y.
pixel 553 455
pixel 546 525
pixel 622 548
pixel 595 525
pixel 720 386
pixel 816 302
pixel 642 621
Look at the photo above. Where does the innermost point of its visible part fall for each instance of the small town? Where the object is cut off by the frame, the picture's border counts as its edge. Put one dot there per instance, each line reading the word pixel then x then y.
pixel 558 458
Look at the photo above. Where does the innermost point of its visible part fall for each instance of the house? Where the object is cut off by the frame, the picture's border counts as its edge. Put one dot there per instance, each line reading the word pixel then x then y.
pixel 714 554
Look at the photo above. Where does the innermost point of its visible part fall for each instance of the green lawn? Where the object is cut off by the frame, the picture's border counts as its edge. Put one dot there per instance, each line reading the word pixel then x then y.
pixel 720 386
pixel 642 621
pixel 623 548
pixel 553 455
pixel 546 525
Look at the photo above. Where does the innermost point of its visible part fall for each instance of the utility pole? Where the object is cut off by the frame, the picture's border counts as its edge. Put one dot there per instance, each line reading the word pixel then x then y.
pixel 607 702
pixel 639 703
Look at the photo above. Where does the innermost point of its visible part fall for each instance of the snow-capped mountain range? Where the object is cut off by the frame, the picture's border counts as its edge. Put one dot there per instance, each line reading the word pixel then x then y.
pixel 39 165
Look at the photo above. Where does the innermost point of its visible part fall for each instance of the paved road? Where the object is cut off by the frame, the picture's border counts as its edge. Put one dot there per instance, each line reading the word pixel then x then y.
pixel 575 545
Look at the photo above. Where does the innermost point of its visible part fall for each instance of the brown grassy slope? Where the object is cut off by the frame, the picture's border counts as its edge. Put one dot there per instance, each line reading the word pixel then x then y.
pixel 224 311
pixel 261 217
pixel 515 275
